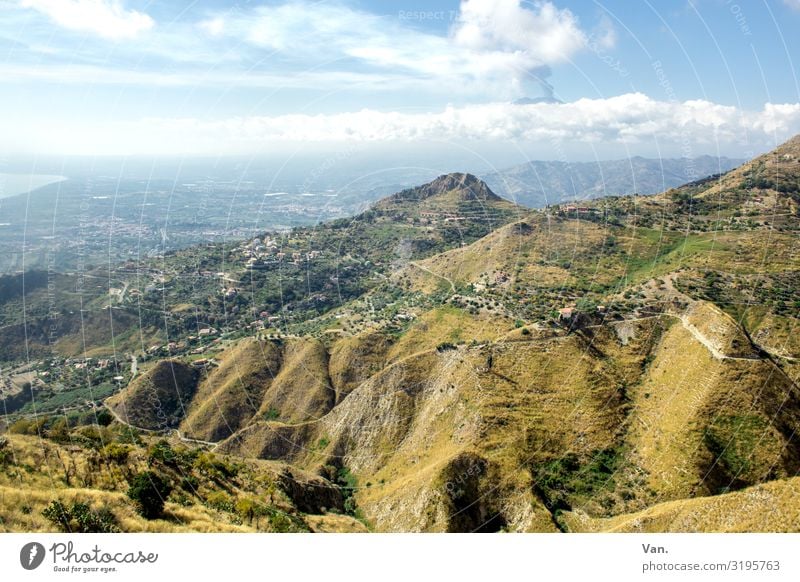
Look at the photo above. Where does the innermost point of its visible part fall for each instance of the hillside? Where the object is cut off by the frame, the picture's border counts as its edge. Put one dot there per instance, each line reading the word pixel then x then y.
pixel 157 399
pixel 436 414
pixel 447 362
pixel 771 507
pixel 285 380
pixel 78 483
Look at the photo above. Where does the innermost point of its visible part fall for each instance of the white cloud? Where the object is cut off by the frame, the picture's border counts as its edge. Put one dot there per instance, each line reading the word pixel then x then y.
pixel 794 4
pixel 497 44
pixel 542 34
pixel 105 18
pixel 213 26
pixel 631 120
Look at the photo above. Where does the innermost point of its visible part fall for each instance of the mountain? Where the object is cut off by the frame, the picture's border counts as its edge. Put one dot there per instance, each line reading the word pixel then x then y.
pixel 449 192
pixel 535 100
pixel 537 184
pixel 448 361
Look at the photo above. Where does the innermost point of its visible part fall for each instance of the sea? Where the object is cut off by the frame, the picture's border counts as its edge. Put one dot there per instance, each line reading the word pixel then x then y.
pixel 13 184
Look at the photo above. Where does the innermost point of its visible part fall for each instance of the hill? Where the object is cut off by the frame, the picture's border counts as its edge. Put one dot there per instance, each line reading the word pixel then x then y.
pixel 448 362
pixel 157 399
pixel 443 415
pixel 78 483
pixel 285 380
pixel 771 507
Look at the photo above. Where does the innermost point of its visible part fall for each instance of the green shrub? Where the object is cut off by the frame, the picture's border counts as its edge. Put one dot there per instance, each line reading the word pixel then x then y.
pixel 220 501
pixel 33 426
pixel 149 490
pixel 209 465
pixel 162 452
pixel 116 453
pixel 347 483
pixel 80 518
pixel 560 480
pixel 732 440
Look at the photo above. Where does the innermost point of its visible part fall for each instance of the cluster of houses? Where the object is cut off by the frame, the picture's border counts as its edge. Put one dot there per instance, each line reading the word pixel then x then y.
pixel 181 346
pixel 430 217
pixel 579 210
pixel 87 364
pixel 259 253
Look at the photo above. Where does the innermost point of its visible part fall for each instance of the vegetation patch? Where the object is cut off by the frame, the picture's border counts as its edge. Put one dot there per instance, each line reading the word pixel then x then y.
pixel 733 440
pixel 80 518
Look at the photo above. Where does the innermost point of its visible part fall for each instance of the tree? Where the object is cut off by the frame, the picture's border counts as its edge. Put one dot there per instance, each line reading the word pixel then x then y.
pixel 149 490
pixel 586 306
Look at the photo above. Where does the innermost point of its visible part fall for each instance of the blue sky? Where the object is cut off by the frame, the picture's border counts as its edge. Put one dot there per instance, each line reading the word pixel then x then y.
pixel 211 77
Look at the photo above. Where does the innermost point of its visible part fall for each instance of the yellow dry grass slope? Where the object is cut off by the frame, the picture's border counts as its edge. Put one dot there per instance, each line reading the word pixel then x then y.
pixel 448 324
pixel 708 415
pixel 405 432
pixel 535 250
pixel 209 492
pixel 770 507
pixel 664 437
pixel 353 359
pixel 668 410
pixel 158 398
pixel 230 395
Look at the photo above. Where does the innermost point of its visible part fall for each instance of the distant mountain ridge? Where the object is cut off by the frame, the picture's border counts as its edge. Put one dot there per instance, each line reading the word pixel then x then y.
pixel 540 183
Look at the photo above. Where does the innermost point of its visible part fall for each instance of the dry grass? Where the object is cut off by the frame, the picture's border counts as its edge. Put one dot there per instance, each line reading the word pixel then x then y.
pixel 230 395
pixel 448 325
pixel 771 507
pixel 664 437
pixel 21 511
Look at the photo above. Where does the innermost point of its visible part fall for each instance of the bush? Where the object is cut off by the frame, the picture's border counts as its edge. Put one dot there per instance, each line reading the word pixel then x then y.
pixel 116 453
pixel 210 466
pixel 128 435
pixel 6 456
pixel 220 501
pixel 80 518
pixel 103 417
pixel 28 426
pixel 560 480
pixel 162 452
pixel 347 484
pixel 149 490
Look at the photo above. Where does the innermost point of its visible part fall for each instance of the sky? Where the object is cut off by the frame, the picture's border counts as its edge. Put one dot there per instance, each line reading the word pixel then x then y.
pixel 561 80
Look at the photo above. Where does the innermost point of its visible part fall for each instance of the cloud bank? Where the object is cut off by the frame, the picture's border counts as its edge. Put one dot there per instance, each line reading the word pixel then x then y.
pixel 628 119
pixel 624 118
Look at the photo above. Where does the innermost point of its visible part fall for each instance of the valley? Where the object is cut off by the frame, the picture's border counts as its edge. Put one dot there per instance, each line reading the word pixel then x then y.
pixel 445 360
